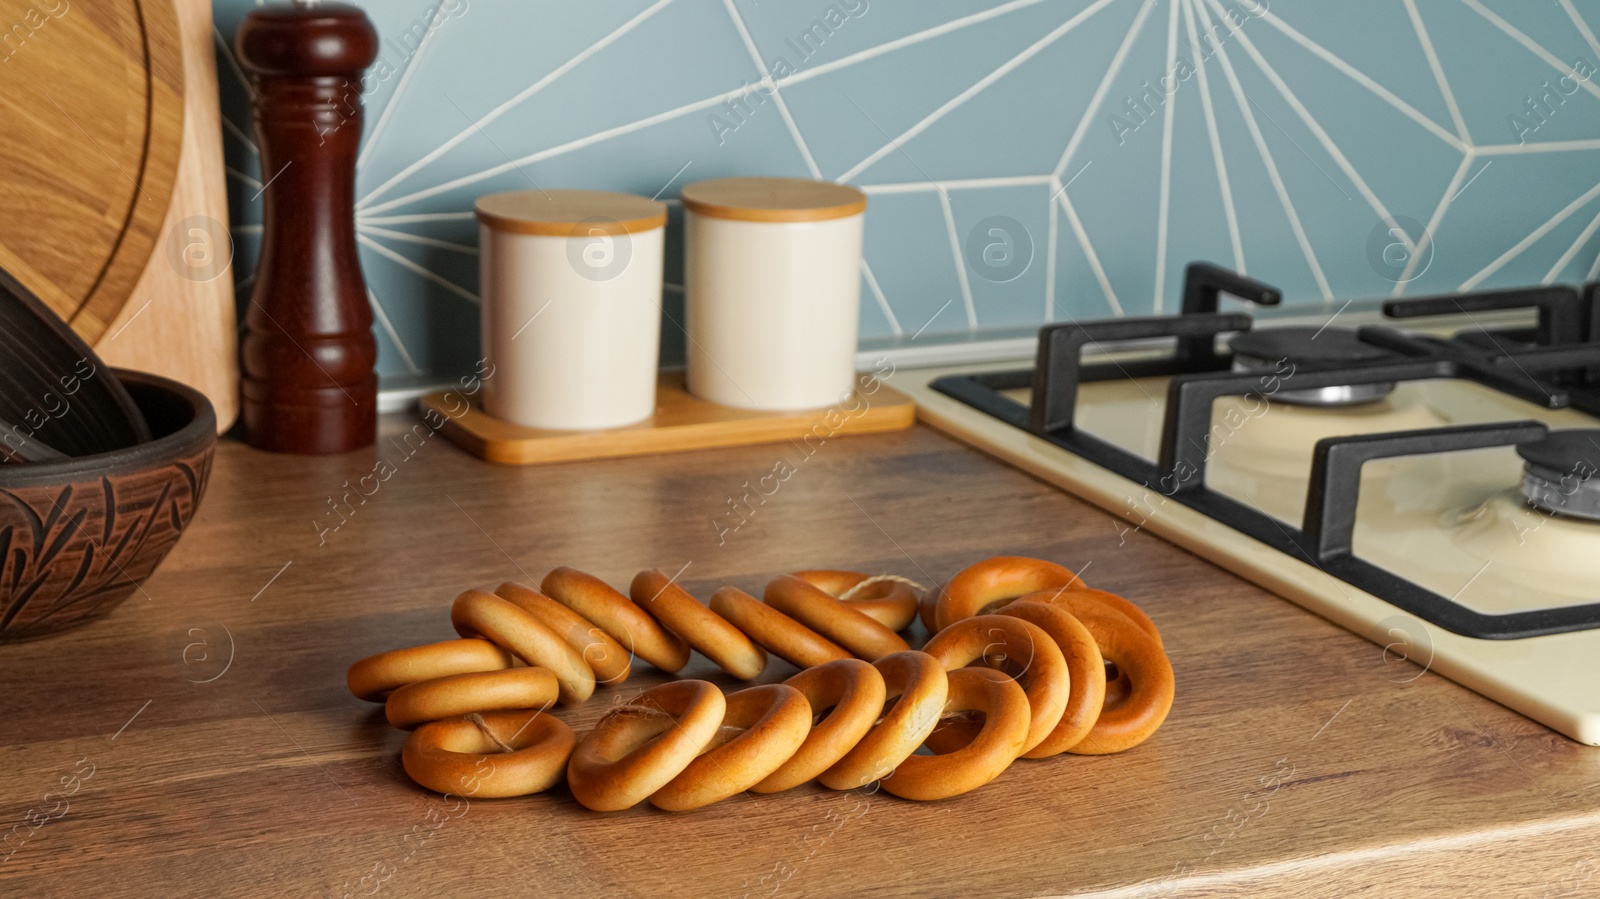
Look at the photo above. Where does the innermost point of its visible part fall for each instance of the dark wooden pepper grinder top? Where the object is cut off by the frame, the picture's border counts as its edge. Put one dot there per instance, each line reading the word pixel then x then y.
pixel 308 351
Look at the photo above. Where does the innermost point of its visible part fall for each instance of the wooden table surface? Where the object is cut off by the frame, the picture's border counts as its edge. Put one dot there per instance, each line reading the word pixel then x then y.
pixel 217 752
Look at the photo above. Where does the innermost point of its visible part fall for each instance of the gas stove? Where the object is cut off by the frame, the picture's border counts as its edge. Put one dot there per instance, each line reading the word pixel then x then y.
pixel 1436 494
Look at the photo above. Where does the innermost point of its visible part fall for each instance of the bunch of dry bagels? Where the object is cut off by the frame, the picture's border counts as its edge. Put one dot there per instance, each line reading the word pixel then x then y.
pixel 1017 666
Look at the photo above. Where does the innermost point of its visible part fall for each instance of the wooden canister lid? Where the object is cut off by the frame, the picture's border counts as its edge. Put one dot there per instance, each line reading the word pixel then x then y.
pixel 564 213
pixel 773 199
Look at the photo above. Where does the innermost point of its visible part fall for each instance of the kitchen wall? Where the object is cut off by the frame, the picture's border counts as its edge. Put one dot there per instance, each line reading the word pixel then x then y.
pixel 1026 161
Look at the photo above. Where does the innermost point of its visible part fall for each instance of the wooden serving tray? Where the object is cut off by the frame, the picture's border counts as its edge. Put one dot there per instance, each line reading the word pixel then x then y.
pixel 682 422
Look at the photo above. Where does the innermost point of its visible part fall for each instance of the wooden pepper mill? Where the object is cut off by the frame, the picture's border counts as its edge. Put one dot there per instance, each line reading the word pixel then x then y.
pixel 308 351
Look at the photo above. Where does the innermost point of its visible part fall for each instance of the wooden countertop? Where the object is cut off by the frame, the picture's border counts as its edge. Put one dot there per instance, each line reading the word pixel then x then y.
pixel 1296 761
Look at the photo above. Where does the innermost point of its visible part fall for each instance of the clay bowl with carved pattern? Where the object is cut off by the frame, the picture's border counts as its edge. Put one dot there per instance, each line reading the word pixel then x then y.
pixel 80 536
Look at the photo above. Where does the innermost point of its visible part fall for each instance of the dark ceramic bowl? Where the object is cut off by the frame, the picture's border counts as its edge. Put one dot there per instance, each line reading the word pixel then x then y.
pixel 56 396
pixel 78 537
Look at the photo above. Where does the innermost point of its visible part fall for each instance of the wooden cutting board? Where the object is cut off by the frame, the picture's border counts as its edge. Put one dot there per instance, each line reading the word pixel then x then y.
pixel 105 175
pixel 91 97
pixel 180 319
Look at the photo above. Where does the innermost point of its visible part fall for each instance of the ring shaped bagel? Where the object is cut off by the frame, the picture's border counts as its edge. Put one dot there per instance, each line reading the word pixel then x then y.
pixel 1085 666
pixel 454 756
pixel 618 616
pixel 815 608
pixel 1005 730
pixel 462 694
pixel 918 685
pixel 704 629
pixel 1126 722
pixel 476 613
pixel 761 729
pixel 637 748
pixel 1080 599
pixel 981 587
pixel 892 604
pixel 783 636
pixel 374 677
pixel 609 660
pixel 852 693
pixel 1044 675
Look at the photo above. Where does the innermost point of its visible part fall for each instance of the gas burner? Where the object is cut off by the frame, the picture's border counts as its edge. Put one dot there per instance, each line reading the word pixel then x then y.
pixel 1370 477
pixel 1312 348
pixel 1559 474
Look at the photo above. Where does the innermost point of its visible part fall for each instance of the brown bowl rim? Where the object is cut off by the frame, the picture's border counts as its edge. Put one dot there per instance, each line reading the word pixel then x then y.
pixel 200 432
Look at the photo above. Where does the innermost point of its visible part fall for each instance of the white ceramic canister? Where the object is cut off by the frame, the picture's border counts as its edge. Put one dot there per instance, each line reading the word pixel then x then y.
pixel 571 284
pixel 772 282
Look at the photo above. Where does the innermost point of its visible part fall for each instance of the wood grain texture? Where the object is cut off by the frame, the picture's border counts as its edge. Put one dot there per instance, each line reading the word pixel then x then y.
pixel 92 98
pixel 230 760
pixel 569 213
pixel 180 320
pixel 682 422
pixel 773 199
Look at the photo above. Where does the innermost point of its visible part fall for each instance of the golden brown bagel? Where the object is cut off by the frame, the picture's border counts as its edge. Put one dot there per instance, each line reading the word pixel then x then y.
pixel 704 629
pixel 1044 675
pixel 918 686
pixel 761 729
pixel 852 693
pixel 1126 723
pixel 455 756
pixel 610 660
pixel 460 694
pixel 374 676
pixel 985 586
pixel 476 613
pixel 783 636
pixel 1078 598
pixel 1006 714
pixel 640 746
pixel 618 616
pixel 891 603
pixel 1085 666
pixel 815 608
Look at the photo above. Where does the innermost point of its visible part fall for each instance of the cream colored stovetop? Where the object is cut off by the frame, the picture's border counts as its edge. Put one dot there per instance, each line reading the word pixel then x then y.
pixel 1451 523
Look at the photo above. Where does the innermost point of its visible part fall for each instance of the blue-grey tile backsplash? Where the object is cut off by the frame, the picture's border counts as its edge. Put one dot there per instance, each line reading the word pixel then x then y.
pixel 1025 161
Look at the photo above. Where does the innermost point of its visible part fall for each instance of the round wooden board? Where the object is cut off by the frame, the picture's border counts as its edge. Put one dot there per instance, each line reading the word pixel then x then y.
pixel 91 106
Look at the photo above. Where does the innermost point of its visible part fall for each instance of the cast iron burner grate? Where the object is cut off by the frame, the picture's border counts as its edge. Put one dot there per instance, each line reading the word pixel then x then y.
pixel 1200 375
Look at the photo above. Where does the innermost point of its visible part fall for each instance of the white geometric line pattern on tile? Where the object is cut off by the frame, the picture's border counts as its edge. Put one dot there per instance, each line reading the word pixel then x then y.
pixel 1572 251
pixel 394 336
pixel 883 301
pixel 1452 131
pixel 976 88
pixel 1164 197
pixel 1272 167
pixel 777 90
pixel 1088 250
pixel 412 63
pixel 1426 42
pixel 1229 213
pixel 961 266
pixel 1365 81
pixel 1093 106
pixel 512 103
pixel 418 239
pixel 1533 46
pixel 1532 238
pixel 1305 116
pixel 403 262
pixel 1448 196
